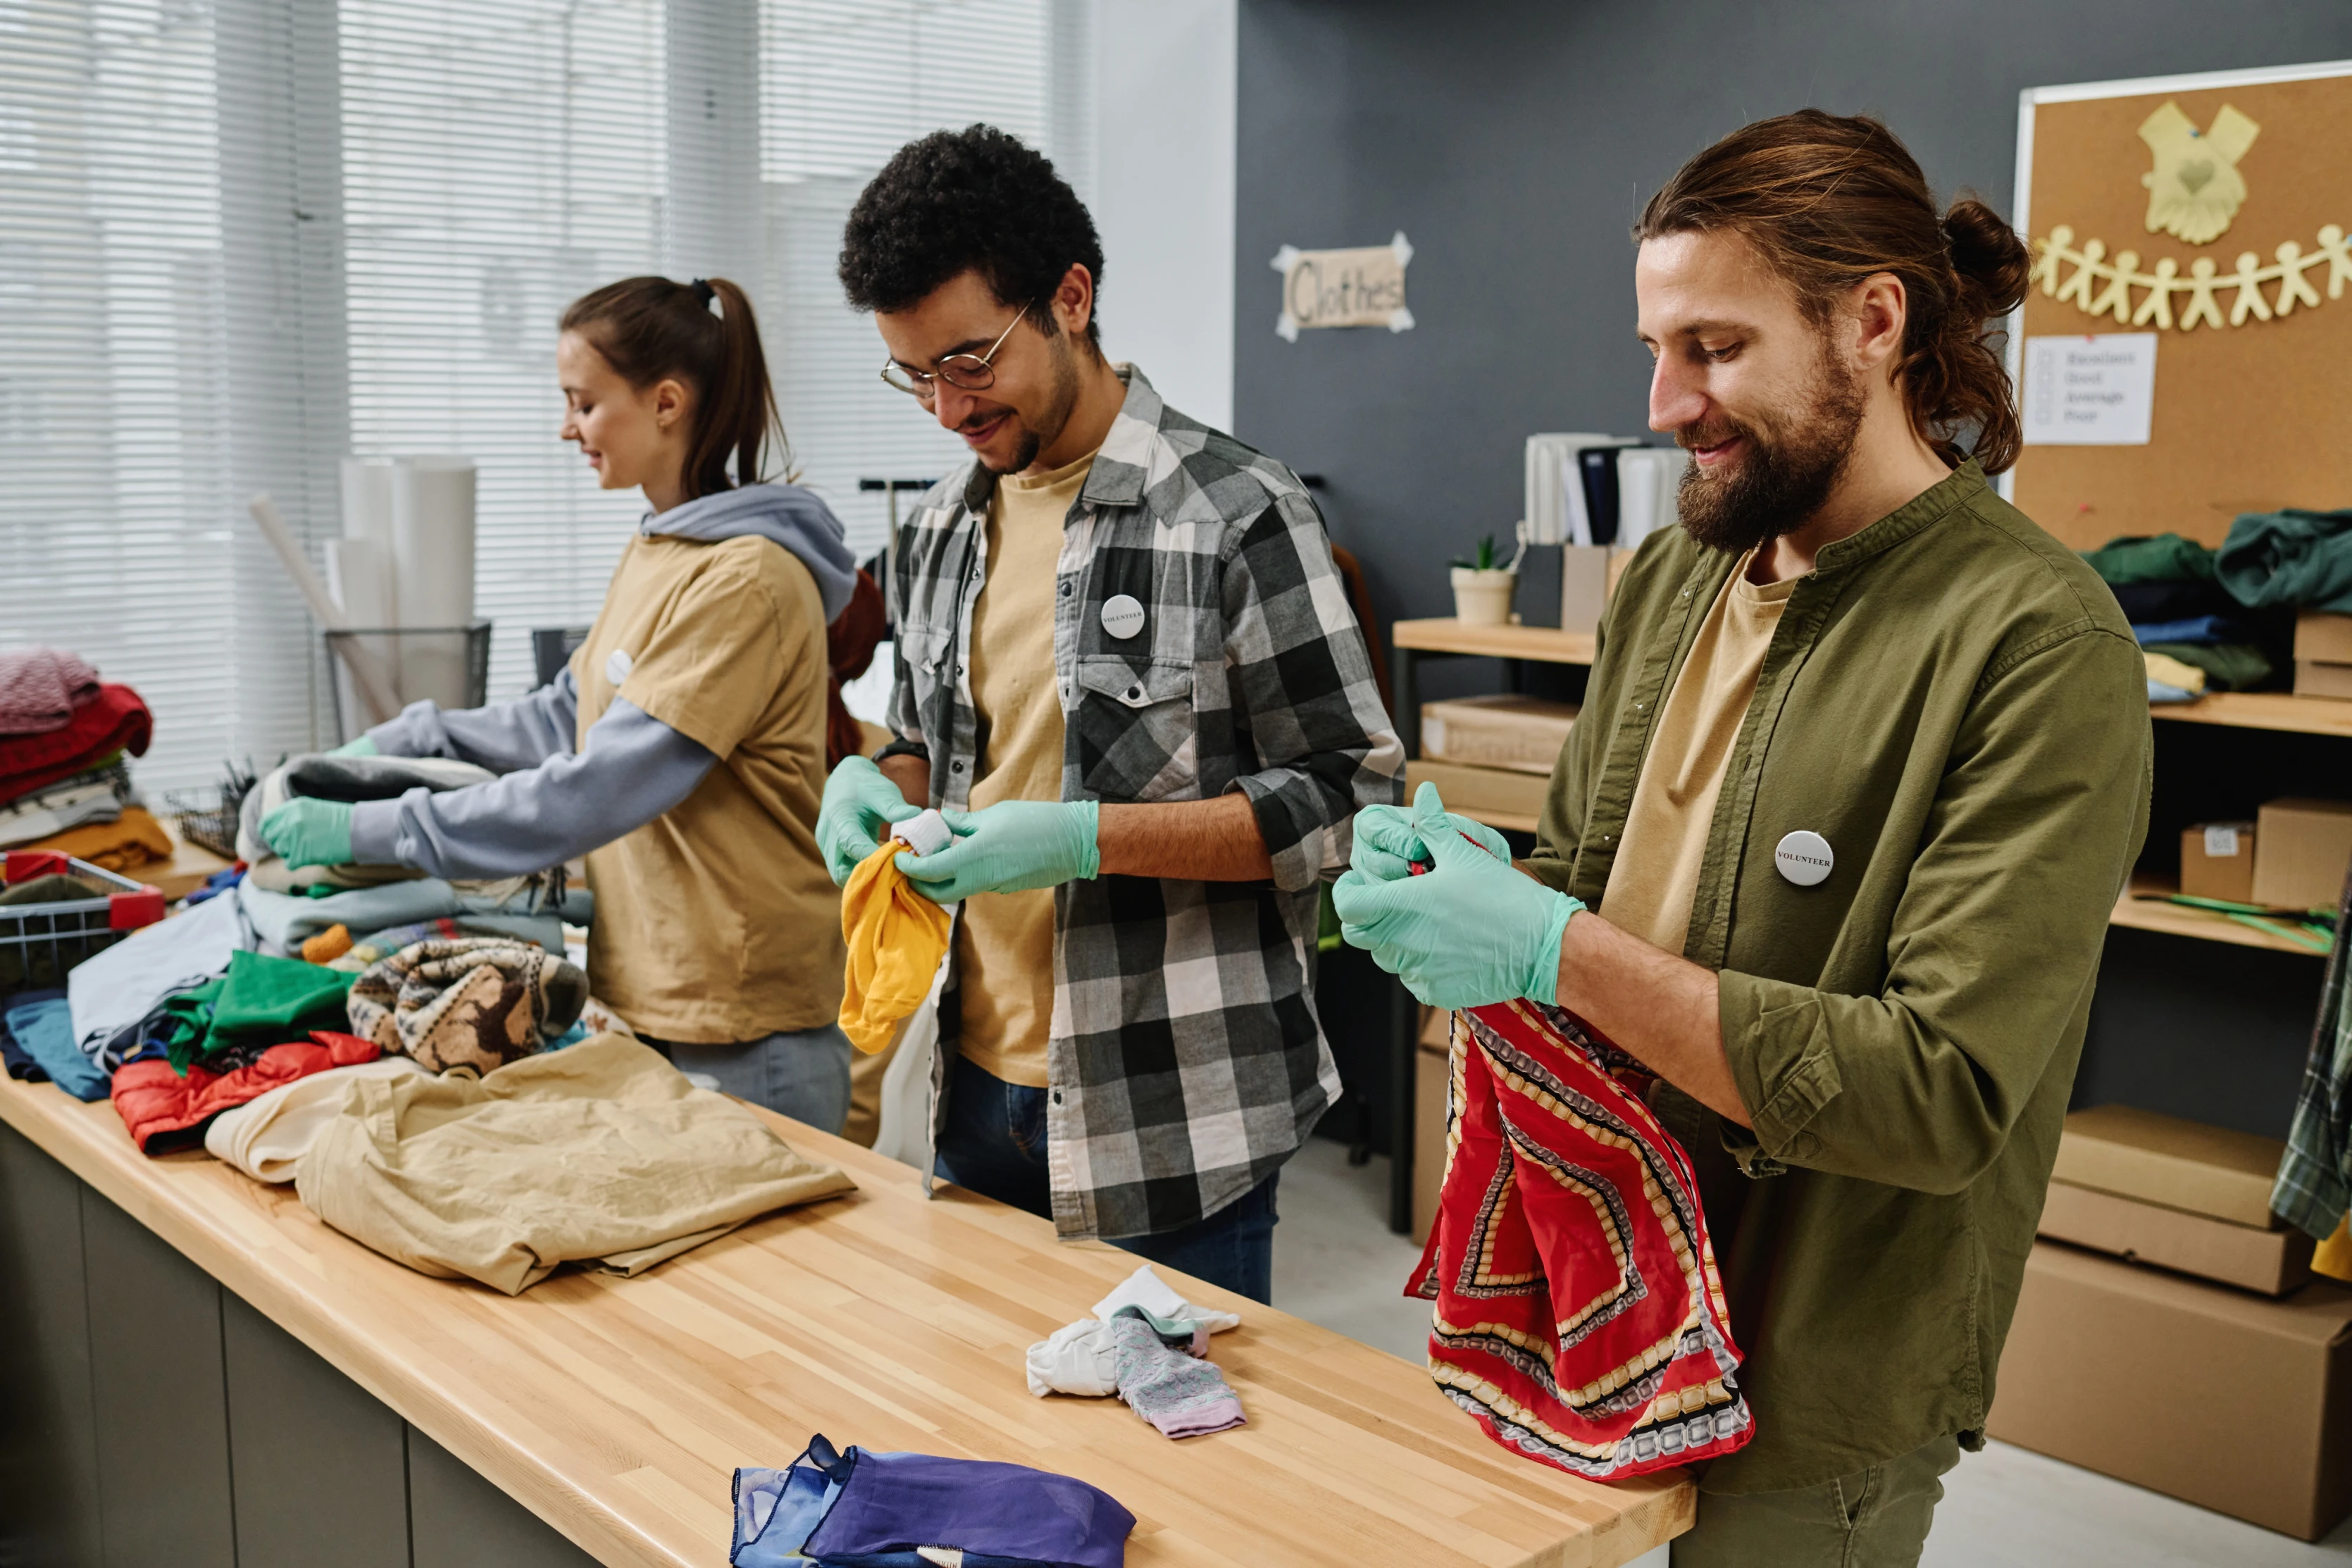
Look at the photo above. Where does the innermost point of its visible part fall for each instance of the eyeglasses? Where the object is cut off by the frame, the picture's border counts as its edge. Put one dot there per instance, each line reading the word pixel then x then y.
pixel 972 372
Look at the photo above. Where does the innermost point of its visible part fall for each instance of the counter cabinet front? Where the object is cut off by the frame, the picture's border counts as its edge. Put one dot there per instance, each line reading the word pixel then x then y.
pixel 194 1370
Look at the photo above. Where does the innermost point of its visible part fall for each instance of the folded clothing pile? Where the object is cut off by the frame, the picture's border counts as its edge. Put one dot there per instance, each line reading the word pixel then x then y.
pixel 58 721
pixel 94 798
pixel 529 909
pixel 853 1507
pixel 165 1109
pixel 473 1001
pixel 602 1153
pixel 351 780
pixel 2207 620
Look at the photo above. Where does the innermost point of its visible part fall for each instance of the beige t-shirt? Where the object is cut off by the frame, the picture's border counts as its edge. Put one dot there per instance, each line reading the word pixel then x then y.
pixel 716 921
pixel 1004 942
pixel 1655 873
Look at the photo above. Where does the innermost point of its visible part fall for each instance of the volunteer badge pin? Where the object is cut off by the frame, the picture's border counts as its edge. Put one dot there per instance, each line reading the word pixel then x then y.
pixel 1804 857
pixel 1122 616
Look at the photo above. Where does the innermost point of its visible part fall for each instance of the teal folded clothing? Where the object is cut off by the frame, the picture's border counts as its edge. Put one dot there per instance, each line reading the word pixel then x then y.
pixel 2228 667
pixel 44 1031
pixel 2292 557
pixel 2167 558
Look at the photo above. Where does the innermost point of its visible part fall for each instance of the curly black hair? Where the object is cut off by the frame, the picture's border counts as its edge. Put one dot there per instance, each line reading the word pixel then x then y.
pixel 958 200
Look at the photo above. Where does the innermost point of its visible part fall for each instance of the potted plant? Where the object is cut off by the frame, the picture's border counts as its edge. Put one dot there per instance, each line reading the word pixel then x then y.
pixel 1482 587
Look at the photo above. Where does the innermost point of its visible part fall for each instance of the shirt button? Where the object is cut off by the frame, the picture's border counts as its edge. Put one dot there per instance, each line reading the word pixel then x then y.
pixel 1057 1097
pixel 955 767
pixel 1066 590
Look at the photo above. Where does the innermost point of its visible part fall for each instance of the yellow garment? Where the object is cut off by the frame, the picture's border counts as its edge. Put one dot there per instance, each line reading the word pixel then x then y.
pixel 715 921
pixel 129 842
pixel 1005 943
pixel 602 1151
pixel 896 938
pixel 1656 870
pixel 2334 1256
pixel 2167 670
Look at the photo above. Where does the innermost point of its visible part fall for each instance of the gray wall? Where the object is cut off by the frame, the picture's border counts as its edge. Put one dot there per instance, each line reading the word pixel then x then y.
pixel 1513 144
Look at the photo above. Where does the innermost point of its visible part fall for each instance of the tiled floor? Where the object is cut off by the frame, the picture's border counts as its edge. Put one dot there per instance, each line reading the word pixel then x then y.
pixel 1336 1263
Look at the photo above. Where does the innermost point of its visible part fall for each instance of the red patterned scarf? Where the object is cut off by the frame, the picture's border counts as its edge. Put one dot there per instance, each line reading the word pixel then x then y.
pixel 1579 1316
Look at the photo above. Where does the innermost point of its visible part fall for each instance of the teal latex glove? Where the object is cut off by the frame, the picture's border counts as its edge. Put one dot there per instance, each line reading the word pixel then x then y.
pixel 1469 932
pixel 1387 844
pixel 1009 847
pixel 309 832
pixel 860 805
pixel 362 747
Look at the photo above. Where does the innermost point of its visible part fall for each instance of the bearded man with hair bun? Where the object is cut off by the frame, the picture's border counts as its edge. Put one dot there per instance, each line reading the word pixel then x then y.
pixel 1862 768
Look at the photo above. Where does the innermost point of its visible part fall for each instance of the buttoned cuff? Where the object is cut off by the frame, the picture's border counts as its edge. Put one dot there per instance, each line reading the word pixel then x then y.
pixel 1783 1062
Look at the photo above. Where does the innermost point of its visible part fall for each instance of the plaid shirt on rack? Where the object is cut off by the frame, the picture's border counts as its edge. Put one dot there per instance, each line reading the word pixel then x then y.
pixel 1185 1062
pixel 2314 1187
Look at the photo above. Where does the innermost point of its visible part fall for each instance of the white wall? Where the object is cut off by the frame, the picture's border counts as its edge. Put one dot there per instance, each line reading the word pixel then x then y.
pixel 1163 183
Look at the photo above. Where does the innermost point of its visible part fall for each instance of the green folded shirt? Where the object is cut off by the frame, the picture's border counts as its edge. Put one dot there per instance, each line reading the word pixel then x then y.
pixel 2167 558
pixel 260 1001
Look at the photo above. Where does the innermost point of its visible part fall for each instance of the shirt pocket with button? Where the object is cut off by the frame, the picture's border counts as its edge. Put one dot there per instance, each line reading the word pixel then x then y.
pixel 1137 737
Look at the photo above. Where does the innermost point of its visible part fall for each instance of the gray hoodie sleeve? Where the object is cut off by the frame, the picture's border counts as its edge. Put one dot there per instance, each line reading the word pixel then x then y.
pixel 502 737
pixel 634 768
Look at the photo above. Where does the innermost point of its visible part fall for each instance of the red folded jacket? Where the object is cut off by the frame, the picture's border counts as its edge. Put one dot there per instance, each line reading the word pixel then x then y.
pixel 113 721
pixel 162 1109
pixel 1579 1316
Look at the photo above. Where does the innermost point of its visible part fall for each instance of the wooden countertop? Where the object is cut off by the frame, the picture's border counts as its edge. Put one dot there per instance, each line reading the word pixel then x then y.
pixel 617 1409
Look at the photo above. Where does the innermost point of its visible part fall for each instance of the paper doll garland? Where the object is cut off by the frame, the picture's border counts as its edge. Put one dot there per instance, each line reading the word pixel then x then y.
pixel 2099 288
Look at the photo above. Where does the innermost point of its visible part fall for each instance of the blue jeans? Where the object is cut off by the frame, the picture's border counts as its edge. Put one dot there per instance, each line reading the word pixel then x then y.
pixel 994 1143
pixel 803 1074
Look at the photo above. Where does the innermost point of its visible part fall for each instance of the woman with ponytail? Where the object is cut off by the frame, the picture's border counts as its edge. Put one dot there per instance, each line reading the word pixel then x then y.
pixel 683 751
pixel 1860 771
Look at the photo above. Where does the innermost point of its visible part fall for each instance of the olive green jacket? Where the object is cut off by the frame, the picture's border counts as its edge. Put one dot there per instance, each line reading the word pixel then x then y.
pixel 1954 701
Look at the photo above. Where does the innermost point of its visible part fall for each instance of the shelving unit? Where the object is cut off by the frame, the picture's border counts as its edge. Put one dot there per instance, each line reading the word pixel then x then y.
pixel 2143 908
pixel 2263 711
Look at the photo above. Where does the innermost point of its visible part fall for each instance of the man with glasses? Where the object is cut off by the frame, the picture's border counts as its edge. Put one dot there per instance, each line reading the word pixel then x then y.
pixel 1128 672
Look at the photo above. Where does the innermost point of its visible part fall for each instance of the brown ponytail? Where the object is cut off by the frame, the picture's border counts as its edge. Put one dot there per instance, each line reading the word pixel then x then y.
pixel 648 328
pixel 1828 200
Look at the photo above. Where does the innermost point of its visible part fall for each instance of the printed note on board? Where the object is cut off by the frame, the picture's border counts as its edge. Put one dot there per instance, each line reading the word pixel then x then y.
pixel 2090 391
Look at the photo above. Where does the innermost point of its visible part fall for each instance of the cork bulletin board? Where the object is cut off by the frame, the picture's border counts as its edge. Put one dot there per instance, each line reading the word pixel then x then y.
pixel 2211 212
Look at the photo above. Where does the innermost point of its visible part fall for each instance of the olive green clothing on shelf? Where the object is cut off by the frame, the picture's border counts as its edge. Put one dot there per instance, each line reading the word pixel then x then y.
pixel 1954 703
pixel 1876 1517
pixel 1004 942
pixel 2167 558
pixel 1664 842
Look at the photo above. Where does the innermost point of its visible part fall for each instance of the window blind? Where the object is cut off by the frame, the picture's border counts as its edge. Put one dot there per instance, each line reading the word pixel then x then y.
pixel 123 463
pixel 241 238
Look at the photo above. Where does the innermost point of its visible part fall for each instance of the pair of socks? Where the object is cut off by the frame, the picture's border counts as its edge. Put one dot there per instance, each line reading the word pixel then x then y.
pixel 1157 1365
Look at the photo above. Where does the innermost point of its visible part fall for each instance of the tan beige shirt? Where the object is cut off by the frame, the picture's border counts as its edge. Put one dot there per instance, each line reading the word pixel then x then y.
pixel 1656 870
pixel 1004 942
pixel 716 921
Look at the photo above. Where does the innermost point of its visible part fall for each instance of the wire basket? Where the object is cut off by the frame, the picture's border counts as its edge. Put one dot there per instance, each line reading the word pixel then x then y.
pixel 449 664
pixel 39 942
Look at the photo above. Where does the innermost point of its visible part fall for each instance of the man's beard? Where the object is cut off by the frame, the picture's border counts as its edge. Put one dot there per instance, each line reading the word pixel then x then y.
pixel 1787 472
pixel 1035 438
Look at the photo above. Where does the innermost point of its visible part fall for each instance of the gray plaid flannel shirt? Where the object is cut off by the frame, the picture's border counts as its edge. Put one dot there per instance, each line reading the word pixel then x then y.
pixel 1185 1062
pixel 2314 1187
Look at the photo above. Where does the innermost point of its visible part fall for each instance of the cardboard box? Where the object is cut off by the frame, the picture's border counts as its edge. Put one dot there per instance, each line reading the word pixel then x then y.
pixel 2185 1165
pixel 1431 1062
pixel 2233 1402
pixel 2305 848
pixel 2217 862
pixel 1522 733
pixel 2323 637
pixel 2314 679
pixel 2270 1261
pixel 1482 792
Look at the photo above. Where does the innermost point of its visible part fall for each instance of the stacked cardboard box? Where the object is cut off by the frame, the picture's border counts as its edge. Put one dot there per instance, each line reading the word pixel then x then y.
pixel 2235 1395
pixel 2323 654
pixel 1499 796
pixel 2302 848
pixel 1521 734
